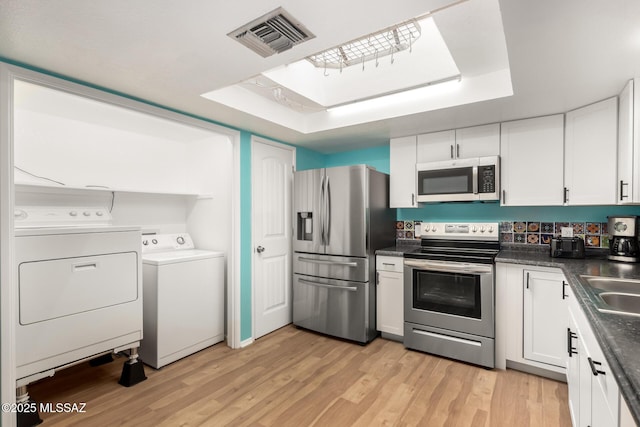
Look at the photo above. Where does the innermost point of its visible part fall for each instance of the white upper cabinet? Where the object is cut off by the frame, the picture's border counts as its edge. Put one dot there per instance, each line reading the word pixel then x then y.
pixel 436 146
pixel 628 149
pixel 402 180
pixel 532 159
pixel 477 141
pixel 590 154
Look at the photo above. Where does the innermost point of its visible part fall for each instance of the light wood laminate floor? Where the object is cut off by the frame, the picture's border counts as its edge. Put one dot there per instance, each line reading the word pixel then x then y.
pixel 297 378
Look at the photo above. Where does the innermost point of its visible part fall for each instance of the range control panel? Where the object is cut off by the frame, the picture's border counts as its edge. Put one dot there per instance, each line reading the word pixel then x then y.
pixel 457 230
pixel 166 242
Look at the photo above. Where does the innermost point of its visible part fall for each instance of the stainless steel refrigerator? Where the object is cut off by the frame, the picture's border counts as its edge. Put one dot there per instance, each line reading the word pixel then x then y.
pixel 341 218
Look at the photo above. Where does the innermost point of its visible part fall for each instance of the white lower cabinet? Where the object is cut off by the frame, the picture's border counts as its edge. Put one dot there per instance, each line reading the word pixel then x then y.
pixel 544 317
pixel 390 296
pixel 531 318
pixel 594 397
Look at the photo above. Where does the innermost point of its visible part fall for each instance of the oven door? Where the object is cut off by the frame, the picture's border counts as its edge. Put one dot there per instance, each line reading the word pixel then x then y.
pixel 455 296
pixel 448 181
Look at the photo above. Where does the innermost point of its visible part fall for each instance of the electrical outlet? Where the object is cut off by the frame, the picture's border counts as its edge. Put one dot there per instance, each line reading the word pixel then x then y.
pixel 567 231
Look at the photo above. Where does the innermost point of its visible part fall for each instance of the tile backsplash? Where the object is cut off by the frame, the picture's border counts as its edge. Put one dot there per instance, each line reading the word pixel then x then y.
pixel 595 234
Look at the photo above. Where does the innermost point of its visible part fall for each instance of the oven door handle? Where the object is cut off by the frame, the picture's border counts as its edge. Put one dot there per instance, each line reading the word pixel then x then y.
pixel 450 267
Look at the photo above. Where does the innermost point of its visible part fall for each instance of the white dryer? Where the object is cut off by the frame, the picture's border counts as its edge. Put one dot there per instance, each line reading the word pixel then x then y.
pixel 78 288
pixel 183 294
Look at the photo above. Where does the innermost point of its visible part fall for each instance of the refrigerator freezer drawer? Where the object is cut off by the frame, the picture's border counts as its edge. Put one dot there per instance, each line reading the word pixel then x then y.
pixel 334 267
pixel 333 307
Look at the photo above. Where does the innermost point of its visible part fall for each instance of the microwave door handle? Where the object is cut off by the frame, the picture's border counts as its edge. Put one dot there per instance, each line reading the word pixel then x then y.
pixel 475 180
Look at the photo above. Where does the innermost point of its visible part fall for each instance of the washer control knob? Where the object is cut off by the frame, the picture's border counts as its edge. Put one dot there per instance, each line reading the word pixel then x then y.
pixel 73 213
pixel 474 228
pixel 434 228
pixel 86 213
pixel 180 240
pixel 490 229
pixel 426 227
pixel 145 242
pixel 154 241
pixel 99 213
pixel 482 229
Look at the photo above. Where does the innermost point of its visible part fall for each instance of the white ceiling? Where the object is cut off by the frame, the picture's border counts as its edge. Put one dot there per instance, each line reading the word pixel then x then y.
pixel 562 54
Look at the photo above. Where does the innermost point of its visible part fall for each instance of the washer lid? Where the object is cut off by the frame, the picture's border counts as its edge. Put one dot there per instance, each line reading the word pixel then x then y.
pixel 171 257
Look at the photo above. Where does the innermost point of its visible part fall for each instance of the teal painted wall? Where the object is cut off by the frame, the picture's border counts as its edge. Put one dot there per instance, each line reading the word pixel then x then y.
pixel 309 159
pixel 245 236
pixel 493 212
pixel 378 157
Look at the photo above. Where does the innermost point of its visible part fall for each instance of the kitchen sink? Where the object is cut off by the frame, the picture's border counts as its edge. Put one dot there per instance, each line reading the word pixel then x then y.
pixel 613 284
pixel 614 295
pixel 620 303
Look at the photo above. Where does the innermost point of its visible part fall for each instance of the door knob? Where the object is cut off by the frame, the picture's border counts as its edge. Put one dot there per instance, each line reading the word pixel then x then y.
pixel 259 249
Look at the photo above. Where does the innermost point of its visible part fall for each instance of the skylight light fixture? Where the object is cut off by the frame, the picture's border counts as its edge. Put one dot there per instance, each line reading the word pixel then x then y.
pixel 372 46
pixel 398 97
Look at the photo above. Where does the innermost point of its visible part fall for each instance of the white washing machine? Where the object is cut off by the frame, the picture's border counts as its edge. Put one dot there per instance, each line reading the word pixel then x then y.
pixel 183 298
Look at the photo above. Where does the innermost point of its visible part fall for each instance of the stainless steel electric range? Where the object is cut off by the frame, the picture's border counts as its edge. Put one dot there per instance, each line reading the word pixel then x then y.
pixel 449 296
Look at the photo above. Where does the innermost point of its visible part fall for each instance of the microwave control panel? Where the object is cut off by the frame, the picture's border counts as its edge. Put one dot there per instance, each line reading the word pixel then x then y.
pixel 487 179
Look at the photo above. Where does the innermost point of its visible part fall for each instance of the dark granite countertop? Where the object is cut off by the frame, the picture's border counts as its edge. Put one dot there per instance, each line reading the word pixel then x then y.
pixel 401 247
pixel 617 334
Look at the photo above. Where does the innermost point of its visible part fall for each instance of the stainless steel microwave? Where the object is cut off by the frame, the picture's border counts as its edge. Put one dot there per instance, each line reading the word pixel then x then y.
pixel 477 178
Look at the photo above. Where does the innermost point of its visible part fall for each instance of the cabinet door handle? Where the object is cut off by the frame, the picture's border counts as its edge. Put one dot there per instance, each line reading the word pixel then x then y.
pixel 564 284
pixel 451 146
pixel 566 195
pixel 571 350
pixel 504 196
pixel 377 277
pixel 622 184
pixel 527 280
pixel 593 365
pixel 413 199
pixel 458 150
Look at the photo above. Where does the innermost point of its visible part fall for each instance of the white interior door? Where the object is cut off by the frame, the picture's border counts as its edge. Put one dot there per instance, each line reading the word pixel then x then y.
pixel 272 181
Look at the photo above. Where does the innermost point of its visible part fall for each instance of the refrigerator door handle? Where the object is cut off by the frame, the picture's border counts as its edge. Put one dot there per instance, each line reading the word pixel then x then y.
pixel 321 261
pixel 321 219
pixel 326 285
pixel 328 210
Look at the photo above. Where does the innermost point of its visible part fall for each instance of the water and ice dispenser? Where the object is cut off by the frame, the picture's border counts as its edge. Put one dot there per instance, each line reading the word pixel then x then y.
pixel 305 226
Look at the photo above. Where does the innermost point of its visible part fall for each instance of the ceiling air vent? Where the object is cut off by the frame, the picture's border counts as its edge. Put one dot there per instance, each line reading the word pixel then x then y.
pixel 272 33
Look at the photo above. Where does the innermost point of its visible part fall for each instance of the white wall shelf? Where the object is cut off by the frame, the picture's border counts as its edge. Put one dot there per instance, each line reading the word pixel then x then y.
pixel 52 188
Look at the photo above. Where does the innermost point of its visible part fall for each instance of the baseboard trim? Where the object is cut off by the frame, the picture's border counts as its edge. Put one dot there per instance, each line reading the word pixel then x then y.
pixel 541 372
pixel 246 342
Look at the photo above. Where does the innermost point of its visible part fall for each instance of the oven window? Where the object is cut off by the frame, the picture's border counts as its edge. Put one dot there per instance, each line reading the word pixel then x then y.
pixel 451 293
pixel 445 181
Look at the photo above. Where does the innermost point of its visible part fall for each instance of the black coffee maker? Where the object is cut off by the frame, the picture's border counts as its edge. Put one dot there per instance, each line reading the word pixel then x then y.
pixel 623 243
